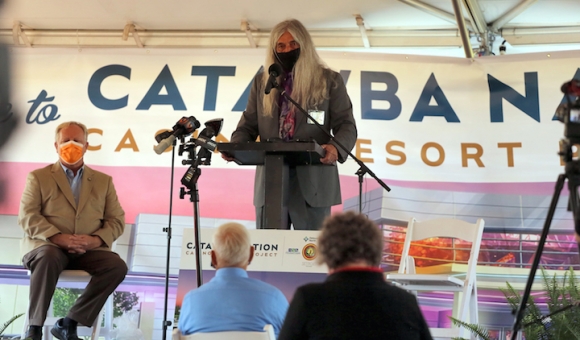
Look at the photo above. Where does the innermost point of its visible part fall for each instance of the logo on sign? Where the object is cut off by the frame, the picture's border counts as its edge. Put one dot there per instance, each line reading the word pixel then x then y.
pixel 309 239
pixel 309 251
pixel 293 251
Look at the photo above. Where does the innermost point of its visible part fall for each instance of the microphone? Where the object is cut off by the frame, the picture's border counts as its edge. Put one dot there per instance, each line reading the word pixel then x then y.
pixel 212 128
pixel 184 126
pixel 204 139
pixel 161 136
pixel 275 70
pixel 164 144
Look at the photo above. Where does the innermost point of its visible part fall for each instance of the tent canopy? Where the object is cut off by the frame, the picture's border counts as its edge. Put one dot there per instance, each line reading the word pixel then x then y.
pixel 400 26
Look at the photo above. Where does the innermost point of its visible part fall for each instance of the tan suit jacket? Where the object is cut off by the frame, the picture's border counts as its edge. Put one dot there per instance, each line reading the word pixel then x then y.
pixel 48 207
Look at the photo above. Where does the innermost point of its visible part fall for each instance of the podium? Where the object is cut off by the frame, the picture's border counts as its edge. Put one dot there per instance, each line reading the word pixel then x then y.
pixel 276 157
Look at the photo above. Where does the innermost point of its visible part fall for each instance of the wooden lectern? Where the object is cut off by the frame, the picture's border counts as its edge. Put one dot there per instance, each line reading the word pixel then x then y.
pixel 276 157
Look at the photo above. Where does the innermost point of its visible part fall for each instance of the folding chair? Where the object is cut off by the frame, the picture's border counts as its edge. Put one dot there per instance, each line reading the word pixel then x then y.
pixel 267 334
pixel 465 297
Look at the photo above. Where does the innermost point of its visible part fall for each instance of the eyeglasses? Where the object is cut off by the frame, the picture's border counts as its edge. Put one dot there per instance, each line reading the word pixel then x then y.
pixel 286 47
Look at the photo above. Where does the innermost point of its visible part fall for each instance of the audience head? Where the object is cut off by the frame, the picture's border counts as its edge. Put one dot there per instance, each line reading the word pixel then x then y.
pixel 231 246
pixel 348 239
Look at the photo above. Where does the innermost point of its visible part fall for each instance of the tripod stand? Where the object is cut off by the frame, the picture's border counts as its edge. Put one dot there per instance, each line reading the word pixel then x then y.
pixel 572 174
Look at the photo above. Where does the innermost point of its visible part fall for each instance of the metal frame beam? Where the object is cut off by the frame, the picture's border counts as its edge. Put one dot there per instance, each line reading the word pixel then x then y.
pixel 541 35
pixel 476 15
pixel 18 33
pixel 462 29
pixel 512 13
pixel 131 29
pixel 247 29
pixel 437 12
pixel 233 39
pixel 363 31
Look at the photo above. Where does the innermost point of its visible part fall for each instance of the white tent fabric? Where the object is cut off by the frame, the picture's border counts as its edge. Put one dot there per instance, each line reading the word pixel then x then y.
pixel 403 26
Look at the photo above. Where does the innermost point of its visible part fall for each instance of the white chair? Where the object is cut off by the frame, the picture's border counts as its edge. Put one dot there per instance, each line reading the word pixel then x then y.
pixel 77 276
pixel 465 297
pixel 69 277
pixel 267 334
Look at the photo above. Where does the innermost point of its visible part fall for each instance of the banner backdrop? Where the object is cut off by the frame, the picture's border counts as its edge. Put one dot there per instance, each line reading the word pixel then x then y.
pixel 283 258
pixel 422 121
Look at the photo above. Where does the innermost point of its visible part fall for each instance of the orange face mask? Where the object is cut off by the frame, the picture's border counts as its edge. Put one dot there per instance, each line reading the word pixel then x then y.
pixel 70 152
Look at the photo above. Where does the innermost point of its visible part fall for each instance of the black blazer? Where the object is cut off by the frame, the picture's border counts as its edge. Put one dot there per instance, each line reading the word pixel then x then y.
pixel 354 305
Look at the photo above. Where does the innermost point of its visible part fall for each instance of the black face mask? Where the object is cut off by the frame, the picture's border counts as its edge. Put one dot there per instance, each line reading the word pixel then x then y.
pixel 288 59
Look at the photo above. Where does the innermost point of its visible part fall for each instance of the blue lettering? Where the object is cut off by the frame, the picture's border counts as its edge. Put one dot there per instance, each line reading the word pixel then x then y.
pixel 529 104
pixel 47 113
pixel 243 101
pixel 213 73
pixel 442 109
pixel 345 74
pixel 96 96
pixel 368 95
pixel 173 97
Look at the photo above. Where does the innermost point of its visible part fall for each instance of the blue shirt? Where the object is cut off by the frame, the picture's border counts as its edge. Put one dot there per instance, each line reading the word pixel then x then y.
pixel 232 301
pixel 74 181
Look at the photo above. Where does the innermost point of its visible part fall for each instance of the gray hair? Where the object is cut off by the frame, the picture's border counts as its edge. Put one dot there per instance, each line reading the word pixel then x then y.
pixel 309 87
pixel 350 237
pixel 67 124
pixel 231 242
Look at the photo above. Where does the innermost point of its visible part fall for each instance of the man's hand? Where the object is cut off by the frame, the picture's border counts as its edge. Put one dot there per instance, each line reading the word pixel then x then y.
pixel 76 244
pixel 331 154
pixel 91 241
pixel 227 157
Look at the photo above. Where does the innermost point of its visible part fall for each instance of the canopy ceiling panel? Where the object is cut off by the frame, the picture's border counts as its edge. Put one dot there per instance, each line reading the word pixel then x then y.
pixel 368 25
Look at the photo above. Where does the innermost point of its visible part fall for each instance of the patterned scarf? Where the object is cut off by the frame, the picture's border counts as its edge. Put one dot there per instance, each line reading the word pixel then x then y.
pixel 287 116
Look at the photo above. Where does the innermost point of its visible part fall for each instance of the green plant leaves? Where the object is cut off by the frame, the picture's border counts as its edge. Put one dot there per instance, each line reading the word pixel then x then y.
pixel 562 300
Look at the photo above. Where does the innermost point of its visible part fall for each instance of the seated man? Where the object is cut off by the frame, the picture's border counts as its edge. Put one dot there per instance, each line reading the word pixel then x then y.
pixel 355 301
pixel 71 216
pixel 232 301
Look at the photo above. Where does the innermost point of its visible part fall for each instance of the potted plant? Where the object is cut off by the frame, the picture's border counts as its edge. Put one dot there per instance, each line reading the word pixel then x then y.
pixel 7 323
pixel 562 322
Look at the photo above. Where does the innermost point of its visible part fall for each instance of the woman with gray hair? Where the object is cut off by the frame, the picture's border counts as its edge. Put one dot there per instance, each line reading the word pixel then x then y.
pixel 313 189
pixel 355 301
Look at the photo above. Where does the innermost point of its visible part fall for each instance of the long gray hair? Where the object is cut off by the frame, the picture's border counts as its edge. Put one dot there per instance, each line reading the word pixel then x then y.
pixel 309 87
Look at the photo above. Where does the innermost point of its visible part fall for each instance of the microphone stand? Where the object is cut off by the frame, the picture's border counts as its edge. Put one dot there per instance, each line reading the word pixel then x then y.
pixel 167 323
pixel 189 181
pixel 363 168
